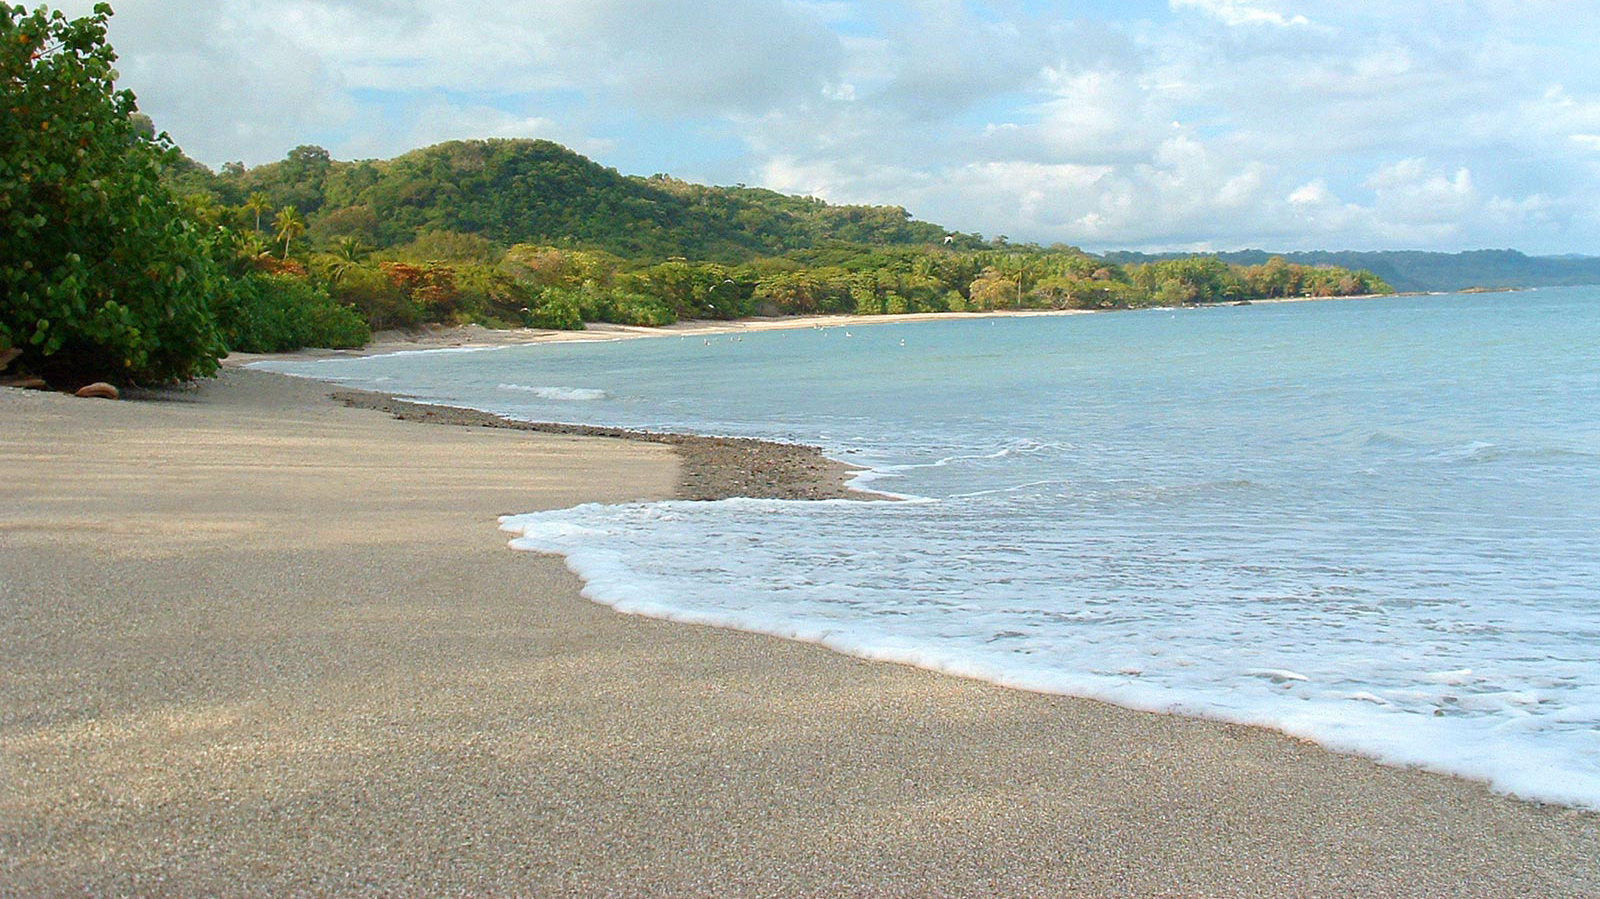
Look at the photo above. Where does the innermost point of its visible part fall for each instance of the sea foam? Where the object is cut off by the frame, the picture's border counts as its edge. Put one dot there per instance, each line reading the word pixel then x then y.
pixel 1358 680
pixel 566 394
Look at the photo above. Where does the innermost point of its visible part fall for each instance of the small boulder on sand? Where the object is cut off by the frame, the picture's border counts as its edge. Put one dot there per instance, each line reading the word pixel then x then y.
pixel 99 389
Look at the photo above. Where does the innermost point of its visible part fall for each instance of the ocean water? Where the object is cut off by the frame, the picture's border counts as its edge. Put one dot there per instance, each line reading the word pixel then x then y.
pixel 1374 524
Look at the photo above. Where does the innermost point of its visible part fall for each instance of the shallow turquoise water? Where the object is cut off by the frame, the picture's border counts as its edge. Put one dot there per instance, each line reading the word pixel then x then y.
pixel 1372 523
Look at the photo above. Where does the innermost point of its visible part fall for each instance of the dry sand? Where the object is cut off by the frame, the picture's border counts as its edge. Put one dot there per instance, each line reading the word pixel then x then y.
pixel 260 643
pixel 430 337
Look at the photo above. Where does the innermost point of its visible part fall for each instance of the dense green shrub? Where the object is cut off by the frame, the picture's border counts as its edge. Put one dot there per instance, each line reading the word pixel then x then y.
pixel 490 295
pixel 555 309
pixel 379 300
pixel 639 309
pixel 101 275
pixel 449 246
pixel 689 290
pixel 556 306
pixel 276 313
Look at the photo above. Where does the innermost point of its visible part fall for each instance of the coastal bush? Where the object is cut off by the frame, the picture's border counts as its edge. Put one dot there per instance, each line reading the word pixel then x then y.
pixel 623 308
pixel 803 292
pixel 489 294
pixel 689 290
pixel 554 309
pixel 104 278
pixel 277 313
pixel 992 290
pixel 379 300
pixel 449 246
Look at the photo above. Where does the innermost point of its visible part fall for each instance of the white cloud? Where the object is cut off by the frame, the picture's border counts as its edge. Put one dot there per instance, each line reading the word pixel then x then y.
pixel 1312 193
pixel 1235 13
pixel 186 65
pixel 433 122
pixel 234 79
pixel 1357 123
pixel 1408 192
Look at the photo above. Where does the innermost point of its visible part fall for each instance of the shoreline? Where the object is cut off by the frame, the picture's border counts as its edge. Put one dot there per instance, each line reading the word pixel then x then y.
pixel 265 643
pixel 718 468
pixel 441 337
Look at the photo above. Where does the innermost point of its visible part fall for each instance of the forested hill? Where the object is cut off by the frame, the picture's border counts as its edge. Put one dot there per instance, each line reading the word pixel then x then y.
pixel 1410 270
pixel 539 192
pixel 535 191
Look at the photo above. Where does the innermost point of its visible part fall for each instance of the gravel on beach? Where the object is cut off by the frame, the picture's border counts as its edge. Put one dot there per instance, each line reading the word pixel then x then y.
pixel 712 467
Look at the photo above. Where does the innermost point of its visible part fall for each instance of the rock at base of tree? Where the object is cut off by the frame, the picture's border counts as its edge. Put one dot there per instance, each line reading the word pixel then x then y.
pixel 99 389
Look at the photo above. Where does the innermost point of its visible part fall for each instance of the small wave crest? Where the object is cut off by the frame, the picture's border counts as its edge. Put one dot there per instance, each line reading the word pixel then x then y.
pixel 563 394
pixel 1386 440
pixel 1478 451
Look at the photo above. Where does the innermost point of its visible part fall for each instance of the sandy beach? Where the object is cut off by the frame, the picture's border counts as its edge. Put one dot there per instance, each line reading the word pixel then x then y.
pixel 436 337
pixel 263 642
pixel 433 337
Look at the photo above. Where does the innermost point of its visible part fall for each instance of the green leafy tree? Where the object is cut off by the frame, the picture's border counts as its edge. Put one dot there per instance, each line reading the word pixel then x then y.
pixel 274 313
pixel 101 274
pixel 993 290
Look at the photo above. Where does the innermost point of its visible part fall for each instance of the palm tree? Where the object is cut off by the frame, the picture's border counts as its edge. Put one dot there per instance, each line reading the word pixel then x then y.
pixel 250 245
pixel 1021 260
pixel 258 204
pixel 349 248
pixel 288 226
pixel 347 253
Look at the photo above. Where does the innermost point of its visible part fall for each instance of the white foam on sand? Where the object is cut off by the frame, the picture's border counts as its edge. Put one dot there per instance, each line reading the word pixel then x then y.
pixel 875 580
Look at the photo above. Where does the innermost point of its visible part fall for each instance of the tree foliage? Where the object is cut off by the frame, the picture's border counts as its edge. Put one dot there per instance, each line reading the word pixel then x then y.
pixel 261 313
pixel 102 273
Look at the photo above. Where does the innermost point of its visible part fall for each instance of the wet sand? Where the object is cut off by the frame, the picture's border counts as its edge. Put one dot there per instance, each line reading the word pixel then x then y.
pixel 258 642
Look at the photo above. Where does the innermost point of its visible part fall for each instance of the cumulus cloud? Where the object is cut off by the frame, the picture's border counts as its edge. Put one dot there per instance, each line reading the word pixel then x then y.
pixel 236 79
pixel 1242 12
pixel 1351 123
pixel 219 81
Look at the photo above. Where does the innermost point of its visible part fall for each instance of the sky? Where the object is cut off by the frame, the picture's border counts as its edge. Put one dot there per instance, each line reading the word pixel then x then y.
pixel 1145 124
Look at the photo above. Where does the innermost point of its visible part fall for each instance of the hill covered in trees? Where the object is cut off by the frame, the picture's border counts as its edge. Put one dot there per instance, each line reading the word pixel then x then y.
pixel 527 232
pixel 535 191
